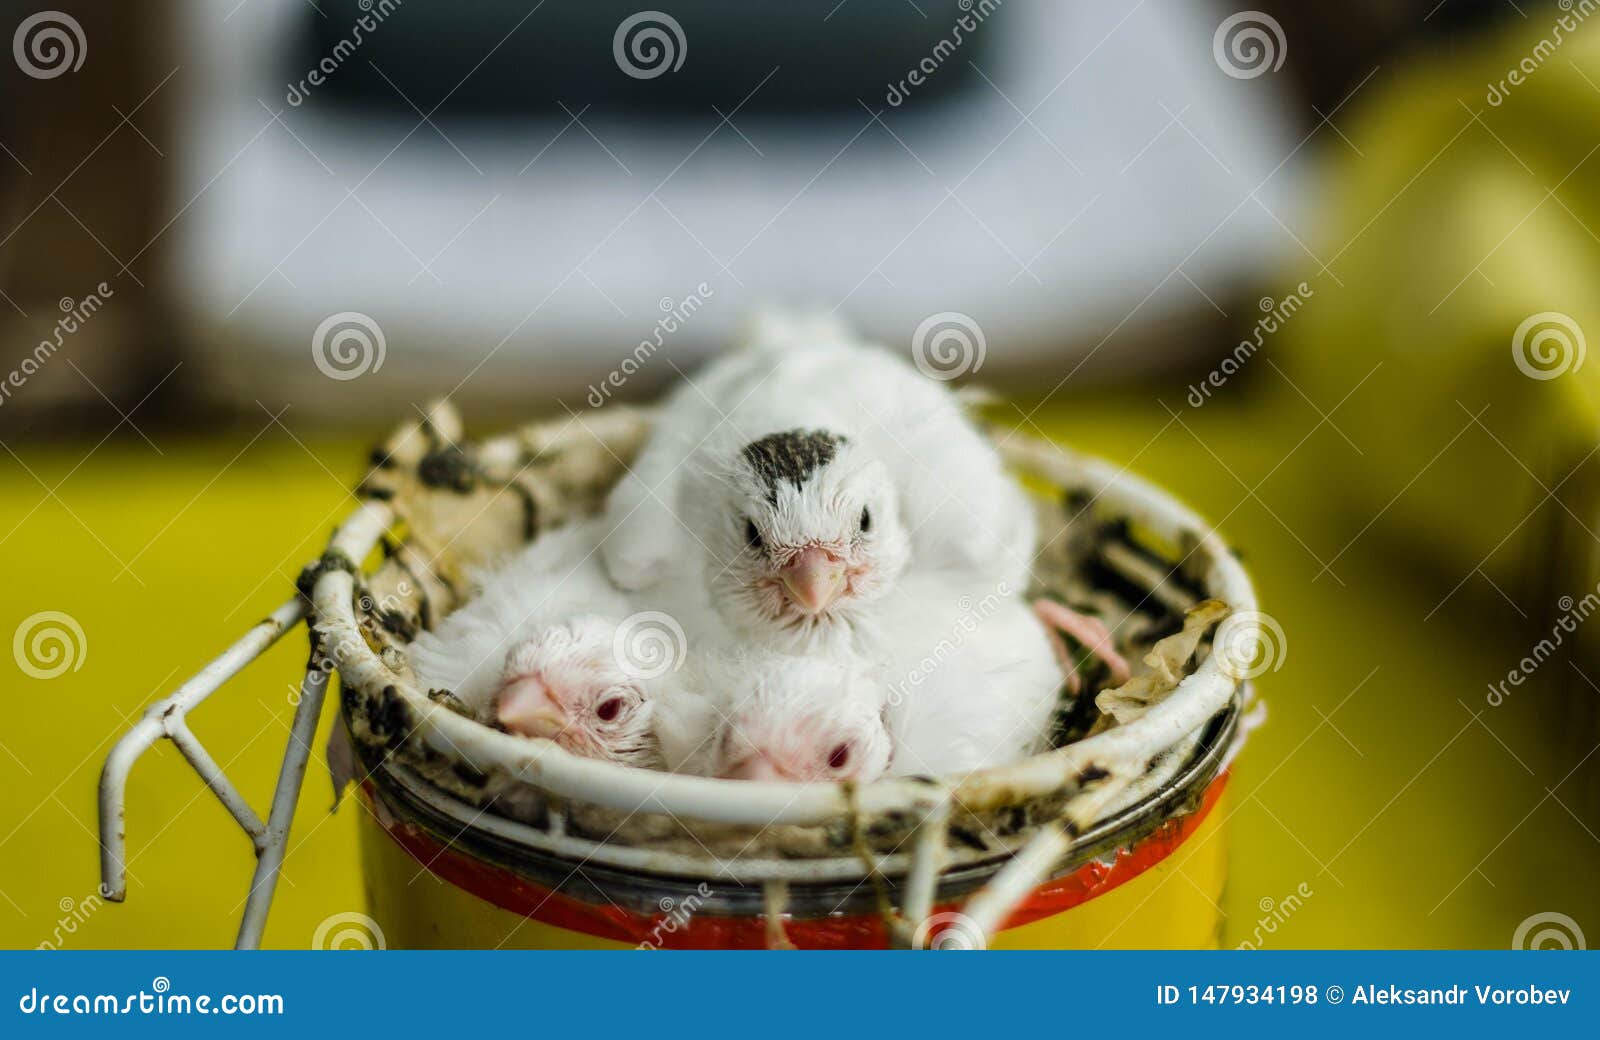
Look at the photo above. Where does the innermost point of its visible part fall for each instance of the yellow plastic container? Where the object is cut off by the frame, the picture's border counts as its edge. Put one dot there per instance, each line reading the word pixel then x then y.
pixel 431 884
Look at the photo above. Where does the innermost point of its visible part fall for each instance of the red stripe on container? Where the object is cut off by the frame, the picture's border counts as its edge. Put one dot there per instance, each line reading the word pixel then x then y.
pixel 670 930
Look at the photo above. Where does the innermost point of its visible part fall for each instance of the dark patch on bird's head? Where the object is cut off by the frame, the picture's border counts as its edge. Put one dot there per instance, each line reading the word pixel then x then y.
pixel 792 456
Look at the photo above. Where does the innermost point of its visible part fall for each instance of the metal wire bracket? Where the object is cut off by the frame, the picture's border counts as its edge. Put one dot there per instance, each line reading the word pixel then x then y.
pixel 168 718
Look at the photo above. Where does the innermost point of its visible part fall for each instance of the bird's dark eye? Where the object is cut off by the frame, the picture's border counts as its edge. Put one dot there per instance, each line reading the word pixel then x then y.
pixel 752 536
pixel 866 520
pixel 839 757
pixel 609 709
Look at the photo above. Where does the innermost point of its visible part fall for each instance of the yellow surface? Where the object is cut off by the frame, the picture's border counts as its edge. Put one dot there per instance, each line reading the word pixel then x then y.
pixel 1410 822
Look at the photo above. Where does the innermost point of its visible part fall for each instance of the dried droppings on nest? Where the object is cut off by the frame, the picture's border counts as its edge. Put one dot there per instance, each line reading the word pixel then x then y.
pixel 390 719
pixel 1076 502
pixel 1013 818
pixel 397 624
pixel 448 467
pixel 530 508
pixel 332 560
pixel 968 837
pixel 896 821
pixel 1089 774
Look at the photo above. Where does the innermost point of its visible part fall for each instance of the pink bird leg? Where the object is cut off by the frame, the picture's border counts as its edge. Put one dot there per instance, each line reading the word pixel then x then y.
pixel 1090 631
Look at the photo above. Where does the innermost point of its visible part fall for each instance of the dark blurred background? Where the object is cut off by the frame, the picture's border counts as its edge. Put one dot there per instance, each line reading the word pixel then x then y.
pixel 489 178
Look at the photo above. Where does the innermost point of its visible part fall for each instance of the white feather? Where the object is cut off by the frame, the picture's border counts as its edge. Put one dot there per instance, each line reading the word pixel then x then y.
pixel 972 682
pixel 557 577
pixel 963 509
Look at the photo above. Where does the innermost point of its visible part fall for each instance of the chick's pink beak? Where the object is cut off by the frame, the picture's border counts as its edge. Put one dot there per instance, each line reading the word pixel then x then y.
pixel 526 706
pixel 756 767
pixel 813 580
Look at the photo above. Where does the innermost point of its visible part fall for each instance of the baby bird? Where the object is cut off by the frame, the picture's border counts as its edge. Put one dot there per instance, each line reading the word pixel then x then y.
pixel 971 684
pixel 785 540
pixel 556 578
pixel 802 719
pixel 565 684
pixel 787 486
pixel 536 652
pixel 807 527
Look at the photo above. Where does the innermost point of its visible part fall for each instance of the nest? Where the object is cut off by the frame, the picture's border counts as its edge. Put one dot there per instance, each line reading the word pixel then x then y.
pixel 438 506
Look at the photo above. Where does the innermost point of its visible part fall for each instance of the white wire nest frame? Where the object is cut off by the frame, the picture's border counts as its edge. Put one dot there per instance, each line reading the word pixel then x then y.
pixel 1104 773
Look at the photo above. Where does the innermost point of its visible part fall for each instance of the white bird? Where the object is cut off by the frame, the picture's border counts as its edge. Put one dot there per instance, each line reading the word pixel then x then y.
pixel 564 683
pixel 787 485
pixel 942 685
pixel 971 683
pixel 536 650
pixel 797 718
pixel 553 580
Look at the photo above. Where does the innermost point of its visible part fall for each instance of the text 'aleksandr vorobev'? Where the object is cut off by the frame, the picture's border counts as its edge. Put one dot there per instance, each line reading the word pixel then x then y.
pixel 1370 994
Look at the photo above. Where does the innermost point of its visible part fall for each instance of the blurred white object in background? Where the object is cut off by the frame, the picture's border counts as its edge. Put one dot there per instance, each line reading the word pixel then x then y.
pixel 1103 174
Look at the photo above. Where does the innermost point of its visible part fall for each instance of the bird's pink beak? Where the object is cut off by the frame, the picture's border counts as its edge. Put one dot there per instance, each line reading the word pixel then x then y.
pixel 526 706
pixel 813 580
pixel 756 767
